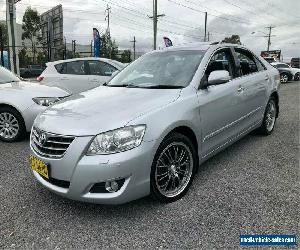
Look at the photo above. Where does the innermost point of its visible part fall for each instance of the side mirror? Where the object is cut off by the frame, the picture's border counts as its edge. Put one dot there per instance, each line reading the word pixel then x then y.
pixel 218 77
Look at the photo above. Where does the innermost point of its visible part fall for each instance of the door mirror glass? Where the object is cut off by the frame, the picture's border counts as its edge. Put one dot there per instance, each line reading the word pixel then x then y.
pixel 218 77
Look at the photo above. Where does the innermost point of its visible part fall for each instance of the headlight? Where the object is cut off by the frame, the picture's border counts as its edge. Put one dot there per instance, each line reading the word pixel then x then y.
pixel 118 140
pixel 45 101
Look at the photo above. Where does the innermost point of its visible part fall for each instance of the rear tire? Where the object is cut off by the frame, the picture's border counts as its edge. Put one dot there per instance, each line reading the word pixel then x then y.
pixel 173 168
pixel 270 117
pixel 297 77
pixel 12 126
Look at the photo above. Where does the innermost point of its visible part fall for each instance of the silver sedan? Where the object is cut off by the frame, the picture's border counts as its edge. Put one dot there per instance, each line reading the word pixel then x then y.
pixel 148 130
pixel 20 103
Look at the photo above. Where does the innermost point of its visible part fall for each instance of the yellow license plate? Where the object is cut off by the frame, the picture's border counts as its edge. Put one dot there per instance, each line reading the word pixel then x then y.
pixel 39 166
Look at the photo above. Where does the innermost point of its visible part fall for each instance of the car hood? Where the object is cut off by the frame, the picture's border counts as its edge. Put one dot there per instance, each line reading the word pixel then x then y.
pixel 102 109
pixel 31 90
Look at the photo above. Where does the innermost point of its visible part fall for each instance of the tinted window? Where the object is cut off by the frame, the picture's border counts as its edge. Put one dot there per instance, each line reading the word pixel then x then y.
pixel 247 62
pixel 221 60
pixel 72 68
pixel 101 68
pixel 61 68
pixel 282 65
pixel 75 68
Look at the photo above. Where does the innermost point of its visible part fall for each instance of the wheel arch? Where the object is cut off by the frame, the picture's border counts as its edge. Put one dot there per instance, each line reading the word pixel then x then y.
pixel 12 107
pixel 276 97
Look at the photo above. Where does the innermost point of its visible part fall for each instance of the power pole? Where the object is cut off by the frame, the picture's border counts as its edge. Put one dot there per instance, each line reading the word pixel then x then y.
pixel 74 47
pixel 208 36
pixel 134 41
pixel 205 26
pixel 269 36
pixel 155 19
pixel 107 17
pixel 1 46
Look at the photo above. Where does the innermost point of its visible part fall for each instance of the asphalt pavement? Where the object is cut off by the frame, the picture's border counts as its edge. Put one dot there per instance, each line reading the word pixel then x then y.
pixel 250 188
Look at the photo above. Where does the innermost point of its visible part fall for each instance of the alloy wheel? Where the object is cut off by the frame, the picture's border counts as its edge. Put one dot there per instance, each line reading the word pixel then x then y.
pixel 9 125
pixel 174 169
pixel 284 78
pixel 270 116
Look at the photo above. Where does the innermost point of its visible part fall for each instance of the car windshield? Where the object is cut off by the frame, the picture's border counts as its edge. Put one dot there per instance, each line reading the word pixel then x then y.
pixel 168 69
pixel 7 76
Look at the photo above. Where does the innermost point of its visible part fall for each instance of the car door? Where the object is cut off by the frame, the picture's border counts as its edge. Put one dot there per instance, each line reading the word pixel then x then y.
pixel 73 76
pixel 99 72
pixel 254 79
pixel 219 105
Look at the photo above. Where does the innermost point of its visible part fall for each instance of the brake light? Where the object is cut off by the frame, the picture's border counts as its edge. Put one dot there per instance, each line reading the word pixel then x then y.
pixel 40 78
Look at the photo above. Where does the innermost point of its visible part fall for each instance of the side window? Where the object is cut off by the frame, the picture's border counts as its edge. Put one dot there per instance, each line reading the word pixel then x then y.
pixel 75 68
pixel 61 68
pixel 259 64
pixel 247 62
pixel 221 60
pixel 101 68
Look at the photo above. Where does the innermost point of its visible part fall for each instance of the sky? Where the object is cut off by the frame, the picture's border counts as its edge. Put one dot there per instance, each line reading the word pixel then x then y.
pixel 183 21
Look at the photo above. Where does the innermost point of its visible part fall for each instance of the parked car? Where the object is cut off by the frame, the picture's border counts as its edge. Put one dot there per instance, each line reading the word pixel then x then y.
pixel 295 62
pixel 31 71
pixel 80 74
pixel 149 128
pixel 20 103
pixel 287 73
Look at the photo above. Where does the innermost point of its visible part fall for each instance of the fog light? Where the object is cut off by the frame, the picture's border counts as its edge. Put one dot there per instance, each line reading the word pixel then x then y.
pixel 111 186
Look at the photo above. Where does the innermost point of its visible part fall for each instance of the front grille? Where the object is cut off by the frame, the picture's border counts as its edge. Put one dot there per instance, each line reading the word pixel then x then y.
pixel 50 145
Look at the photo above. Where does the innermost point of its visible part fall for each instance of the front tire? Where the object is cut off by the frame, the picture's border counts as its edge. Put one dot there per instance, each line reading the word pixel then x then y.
pixel 270 116
pixel 297 77
pixel 12 126
pixel 284 78
pixel 173 168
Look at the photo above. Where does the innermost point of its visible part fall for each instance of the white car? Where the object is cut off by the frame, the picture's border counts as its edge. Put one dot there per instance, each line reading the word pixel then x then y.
pixel 79 74
pixel 20 103
pixel 287 73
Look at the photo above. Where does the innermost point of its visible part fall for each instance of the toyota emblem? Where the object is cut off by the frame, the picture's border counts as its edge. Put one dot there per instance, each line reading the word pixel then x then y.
pixel 42 138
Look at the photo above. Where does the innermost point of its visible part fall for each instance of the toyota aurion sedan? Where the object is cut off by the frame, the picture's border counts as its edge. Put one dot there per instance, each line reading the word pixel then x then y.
pixel 148 130
pixel 20 103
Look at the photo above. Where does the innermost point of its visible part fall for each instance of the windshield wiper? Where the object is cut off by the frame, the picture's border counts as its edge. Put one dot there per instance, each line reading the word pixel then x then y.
pixel 162 87
pixel 126 85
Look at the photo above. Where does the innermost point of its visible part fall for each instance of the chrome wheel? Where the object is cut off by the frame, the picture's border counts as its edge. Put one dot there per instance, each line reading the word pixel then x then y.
pixel 174 169
pixel 9 125
pixel 270 116
pixel 284 78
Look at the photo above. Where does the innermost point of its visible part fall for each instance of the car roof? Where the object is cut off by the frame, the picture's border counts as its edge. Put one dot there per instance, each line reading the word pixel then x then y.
pixel 84 58
pixel 201 46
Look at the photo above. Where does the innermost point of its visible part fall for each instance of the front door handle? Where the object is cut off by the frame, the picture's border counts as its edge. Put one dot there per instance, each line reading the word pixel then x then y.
pixel 266 78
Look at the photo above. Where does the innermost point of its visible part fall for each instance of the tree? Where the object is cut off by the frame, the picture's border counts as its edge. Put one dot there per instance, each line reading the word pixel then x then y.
pixel 233 39
pixel 109 48
pixel 23 57
pixel 32 28
pixel 126 56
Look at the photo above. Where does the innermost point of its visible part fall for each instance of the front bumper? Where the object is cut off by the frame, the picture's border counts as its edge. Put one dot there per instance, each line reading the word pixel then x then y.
pixel 82 172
